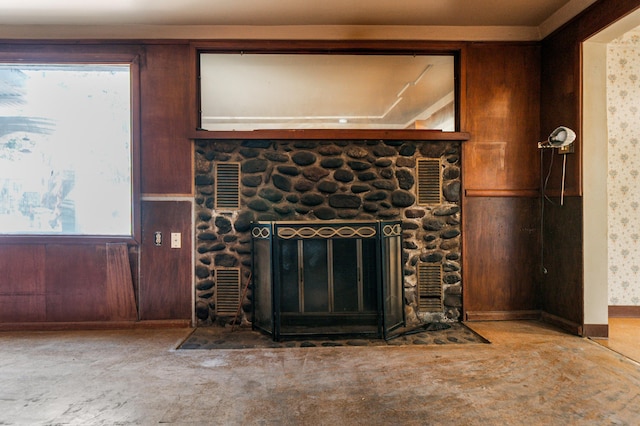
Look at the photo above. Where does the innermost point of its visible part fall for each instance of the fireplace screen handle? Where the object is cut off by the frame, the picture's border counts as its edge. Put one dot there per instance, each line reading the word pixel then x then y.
pixel 301 289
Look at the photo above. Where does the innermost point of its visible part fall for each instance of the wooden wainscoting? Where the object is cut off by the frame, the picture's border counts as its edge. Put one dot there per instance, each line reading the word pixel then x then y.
pixel 166 283
pixel 66 283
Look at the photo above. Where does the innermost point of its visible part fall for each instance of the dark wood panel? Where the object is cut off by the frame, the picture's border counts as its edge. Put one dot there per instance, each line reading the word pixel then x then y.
pixel 134 264
pixel 75 282
pixel 22 286
pixel 501 254
pixel 560 95
pixel 166 148
pixel 562 290
pixel 119 298
pixel 165 273
pixel 601 14
pixel 562 287
pixel 65 283
pixel 501 172
pixel 502 116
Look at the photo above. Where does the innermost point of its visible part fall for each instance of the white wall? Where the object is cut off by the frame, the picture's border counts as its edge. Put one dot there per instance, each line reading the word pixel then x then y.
pixel 623 185
pixel 604 195
pixel 594 146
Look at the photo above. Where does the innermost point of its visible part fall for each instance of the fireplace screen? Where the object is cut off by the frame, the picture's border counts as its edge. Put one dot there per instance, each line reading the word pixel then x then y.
pixel 327 278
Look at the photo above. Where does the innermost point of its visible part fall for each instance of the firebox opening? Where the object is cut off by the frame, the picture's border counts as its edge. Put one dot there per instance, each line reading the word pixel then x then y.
pixel 327 278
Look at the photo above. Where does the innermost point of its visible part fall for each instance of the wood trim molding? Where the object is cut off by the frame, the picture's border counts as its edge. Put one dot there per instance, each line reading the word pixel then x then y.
pixel 562 323
pixel 595 330
pixel 501 315
pixel 296 45
pixel 359 134
pixel 527 193
pixel 620 311
pixel 93 325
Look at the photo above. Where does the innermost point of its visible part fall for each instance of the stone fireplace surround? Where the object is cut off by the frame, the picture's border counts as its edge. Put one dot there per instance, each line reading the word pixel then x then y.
pixel 305 180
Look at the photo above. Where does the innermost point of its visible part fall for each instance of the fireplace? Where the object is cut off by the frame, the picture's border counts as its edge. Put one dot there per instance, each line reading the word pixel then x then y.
pixel 327 278
pixel 311 181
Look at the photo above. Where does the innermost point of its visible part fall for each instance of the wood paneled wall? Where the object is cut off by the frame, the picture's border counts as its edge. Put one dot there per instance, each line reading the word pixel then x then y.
pixel 501 220
pixel 166 286
pixel 562 292
pixel 501 103
pixel 503 106
pixel 66 283
pixel 513 94
pixel 23 287
pixel 166 148
pixel 74 284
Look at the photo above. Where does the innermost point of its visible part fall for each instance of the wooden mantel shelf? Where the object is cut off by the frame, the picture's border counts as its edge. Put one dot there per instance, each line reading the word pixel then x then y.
pixel 350 134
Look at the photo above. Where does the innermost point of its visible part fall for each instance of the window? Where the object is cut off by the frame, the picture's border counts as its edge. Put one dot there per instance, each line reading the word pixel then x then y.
pixel 66 149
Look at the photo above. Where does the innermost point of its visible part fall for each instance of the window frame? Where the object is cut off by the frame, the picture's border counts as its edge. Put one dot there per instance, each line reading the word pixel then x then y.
pixel 80 54
pixel 337 47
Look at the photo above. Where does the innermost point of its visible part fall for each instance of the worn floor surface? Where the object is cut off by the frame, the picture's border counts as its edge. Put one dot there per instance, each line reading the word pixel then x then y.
pixel 530 374
pixel 624 337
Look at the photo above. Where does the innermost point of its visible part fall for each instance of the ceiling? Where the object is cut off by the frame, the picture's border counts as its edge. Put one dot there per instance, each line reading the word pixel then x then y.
pixel 432 19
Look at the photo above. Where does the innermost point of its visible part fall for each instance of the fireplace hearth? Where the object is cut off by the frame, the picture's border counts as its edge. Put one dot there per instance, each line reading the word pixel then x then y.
pixel 327 278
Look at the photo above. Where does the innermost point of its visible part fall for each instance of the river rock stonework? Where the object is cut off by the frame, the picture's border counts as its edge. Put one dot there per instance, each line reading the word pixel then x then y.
pixel 328 180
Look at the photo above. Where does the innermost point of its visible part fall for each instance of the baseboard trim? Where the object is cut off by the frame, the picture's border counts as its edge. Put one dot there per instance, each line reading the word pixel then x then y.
pixel 619 311
pixel 93 325
pixel 595 330
pixel 562 323
pixel 501 315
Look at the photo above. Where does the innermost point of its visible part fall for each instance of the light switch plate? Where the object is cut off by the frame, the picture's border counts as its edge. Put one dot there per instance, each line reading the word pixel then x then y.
pixel 176 240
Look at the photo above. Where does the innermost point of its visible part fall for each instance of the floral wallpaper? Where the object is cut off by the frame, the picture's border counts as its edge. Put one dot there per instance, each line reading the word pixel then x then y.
pixel 623 183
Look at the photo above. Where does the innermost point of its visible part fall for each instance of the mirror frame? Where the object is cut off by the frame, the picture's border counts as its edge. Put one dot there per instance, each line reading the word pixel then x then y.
pixel 332 48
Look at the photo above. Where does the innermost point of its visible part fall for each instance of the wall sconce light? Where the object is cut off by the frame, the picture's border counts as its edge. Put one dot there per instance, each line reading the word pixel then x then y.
pixel 559 138
pixel 562 138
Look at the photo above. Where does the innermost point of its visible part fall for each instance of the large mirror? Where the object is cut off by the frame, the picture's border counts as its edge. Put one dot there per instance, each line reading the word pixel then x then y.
pixel 320 91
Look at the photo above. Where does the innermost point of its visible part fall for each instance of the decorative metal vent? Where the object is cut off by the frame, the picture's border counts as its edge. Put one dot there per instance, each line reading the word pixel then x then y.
pixel 227 291
pixel 429 181
pixel 430 288
pixel 227 196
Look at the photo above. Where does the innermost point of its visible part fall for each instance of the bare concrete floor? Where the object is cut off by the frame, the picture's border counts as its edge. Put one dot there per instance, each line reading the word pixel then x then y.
pixel 529 374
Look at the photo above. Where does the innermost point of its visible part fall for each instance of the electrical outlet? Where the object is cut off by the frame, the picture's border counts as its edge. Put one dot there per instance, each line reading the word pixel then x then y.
pixel 176 240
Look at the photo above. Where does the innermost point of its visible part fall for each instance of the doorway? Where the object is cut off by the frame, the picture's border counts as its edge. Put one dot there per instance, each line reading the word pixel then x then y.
pixel 605 239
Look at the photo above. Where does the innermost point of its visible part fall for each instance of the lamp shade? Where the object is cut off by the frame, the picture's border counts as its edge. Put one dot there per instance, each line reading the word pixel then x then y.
pixel 561 136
